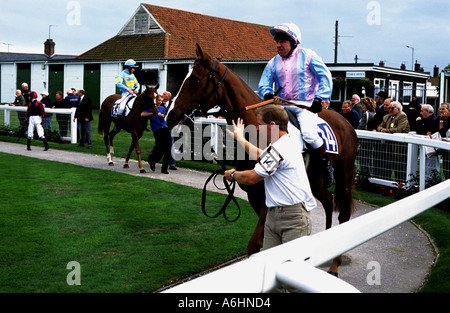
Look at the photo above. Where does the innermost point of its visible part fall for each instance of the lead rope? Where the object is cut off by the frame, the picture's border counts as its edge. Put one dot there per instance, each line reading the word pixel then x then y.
pixel 230 187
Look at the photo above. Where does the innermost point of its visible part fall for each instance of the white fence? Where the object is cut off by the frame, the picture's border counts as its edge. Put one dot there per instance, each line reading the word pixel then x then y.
pixel 294 263
pixel 401 154
pixel 71 112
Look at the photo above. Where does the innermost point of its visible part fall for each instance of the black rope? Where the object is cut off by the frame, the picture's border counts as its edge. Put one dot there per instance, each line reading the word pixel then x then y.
pixel 230 187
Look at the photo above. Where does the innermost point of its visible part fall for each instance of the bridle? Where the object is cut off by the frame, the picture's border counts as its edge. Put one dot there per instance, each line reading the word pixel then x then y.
pixel 202 106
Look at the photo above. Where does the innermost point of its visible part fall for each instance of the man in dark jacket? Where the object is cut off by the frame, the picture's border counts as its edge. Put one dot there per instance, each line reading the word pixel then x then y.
pixel 84 116
pixel 425 122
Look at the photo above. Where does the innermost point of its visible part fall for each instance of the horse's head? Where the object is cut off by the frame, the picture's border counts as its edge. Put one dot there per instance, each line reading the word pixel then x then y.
pixel 200 90
pixel 148 98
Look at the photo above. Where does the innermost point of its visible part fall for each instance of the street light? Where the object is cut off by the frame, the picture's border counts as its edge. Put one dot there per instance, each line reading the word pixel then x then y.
pixel 412 59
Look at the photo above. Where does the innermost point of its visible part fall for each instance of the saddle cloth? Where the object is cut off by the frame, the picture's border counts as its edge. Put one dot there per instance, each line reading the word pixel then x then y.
pixel 122 106
pixel 325 132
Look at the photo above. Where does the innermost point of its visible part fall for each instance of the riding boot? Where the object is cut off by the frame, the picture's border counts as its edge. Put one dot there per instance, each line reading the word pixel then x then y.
pixel 118 124
pixel 29 144
pixel 45 144
pixel 327 169
pixel 316 106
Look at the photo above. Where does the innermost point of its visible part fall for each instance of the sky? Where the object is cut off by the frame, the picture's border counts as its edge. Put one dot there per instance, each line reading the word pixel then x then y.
pixel 373 30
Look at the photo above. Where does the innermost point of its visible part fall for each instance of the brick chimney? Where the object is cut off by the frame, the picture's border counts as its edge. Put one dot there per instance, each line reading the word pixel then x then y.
pixel 436 71
pixel 417 67
pixel 49 47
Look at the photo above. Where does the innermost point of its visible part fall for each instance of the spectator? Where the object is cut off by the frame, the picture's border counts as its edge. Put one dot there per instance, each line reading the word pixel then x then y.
pixel 84 116
pixel 350 115
pixel 62 119
pixel 425 121
pixel 395 122
pixel 379 111
pixel 26 93
pixel 35 113
pixel 20 101
pixel 48 116
pixel 356 105
pixel 326 105
pixel 424 125
pixel 368 106
pixel 413 112
pixel 443 126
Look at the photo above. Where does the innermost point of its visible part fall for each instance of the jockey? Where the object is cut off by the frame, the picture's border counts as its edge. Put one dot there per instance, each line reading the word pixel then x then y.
pixel 127 82
pixel 128 87
pixel 300 75
pixel 35 115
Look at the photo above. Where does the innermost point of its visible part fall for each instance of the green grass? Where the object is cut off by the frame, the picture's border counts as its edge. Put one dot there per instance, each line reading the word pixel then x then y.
pixel 129 234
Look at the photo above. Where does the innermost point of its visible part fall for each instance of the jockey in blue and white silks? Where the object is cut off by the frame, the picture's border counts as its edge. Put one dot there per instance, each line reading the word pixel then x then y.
pixel 303 78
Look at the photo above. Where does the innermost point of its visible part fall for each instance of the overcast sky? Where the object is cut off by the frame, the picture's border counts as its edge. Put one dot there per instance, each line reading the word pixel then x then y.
pixel 373 30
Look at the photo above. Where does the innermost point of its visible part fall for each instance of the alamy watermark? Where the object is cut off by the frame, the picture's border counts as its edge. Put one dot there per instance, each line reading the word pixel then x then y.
pixel 199 143
pixel 374 15
pixel 74 276
pixel 374 276
pixel 73 17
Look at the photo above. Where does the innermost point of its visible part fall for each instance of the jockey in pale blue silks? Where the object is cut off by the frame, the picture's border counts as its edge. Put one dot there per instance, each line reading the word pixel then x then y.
pixel 127 82
pixel 128 87
pixel 301 77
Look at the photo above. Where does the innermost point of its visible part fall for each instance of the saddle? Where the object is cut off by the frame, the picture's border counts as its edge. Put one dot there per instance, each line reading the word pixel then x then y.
pixel 323 129
pixel 123 106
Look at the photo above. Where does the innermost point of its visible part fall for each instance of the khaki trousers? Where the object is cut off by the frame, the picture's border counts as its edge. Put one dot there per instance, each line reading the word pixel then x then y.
pixel 286 223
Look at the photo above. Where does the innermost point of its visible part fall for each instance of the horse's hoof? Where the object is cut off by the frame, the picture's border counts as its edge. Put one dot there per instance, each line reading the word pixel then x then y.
pixel 333 273
pixel 143 171
pixel 126 166
pixel 111 163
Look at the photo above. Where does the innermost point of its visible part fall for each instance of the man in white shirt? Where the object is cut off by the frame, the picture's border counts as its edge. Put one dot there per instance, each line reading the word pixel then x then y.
pixel 288 193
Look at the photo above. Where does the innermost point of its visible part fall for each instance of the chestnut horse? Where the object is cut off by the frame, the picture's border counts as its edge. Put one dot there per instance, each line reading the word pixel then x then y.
pixel 132 123
pixel 211 83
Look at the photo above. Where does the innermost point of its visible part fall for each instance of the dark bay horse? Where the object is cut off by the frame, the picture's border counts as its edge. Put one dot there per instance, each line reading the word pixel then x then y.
pixel 132 123
pixel 211 83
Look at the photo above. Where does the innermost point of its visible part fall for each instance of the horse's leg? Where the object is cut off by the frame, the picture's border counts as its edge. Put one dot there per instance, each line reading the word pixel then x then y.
pixel 108 150
pixel 257 201
pixel 255 242
pixel 127 158
pixel 343 199
pixel 110 156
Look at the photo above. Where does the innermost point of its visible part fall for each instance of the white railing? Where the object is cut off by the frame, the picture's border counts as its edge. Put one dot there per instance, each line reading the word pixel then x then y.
pixel 294 263
pixel 70 111
pixel 415 155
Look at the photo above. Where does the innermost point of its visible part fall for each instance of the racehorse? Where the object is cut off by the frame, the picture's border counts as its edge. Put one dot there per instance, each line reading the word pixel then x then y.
pixel 211 83
pixel 132 123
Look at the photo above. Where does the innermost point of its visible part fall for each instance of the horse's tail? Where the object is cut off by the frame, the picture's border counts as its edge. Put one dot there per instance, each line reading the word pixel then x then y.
pixel 343 198
pixel 101 123
pixel 104 116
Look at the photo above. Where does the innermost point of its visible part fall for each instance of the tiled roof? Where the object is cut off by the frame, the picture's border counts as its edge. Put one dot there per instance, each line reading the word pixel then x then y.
pixel 125 47
pixel 222 38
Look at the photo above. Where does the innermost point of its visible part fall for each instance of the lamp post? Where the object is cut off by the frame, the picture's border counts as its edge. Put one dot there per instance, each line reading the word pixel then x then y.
pixel 412 59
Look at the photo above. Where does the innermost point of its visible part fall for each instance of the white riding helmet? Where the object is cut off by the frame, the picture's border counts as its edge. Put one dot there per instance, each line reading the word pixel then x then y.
pixel 289 29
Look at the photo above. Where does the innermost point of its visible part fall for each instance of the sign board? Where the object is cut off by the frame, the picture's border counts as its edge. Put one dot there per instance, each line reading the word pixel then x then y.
pixel 355 75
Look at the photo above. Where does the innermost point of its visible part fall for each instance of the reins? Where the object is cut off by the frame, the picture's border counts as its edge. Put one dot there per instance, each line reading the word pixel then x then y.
pixel 275 100
pixel 230 187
